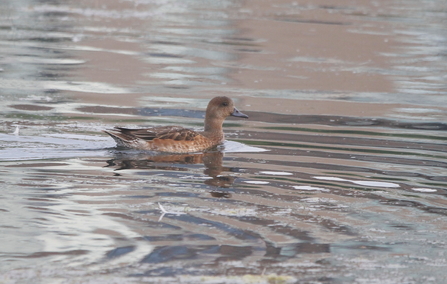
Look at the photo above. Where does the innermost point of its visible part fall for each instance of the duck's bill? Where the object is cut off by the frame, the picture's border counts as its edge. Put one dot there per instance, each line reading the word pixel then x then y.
pixel 237 113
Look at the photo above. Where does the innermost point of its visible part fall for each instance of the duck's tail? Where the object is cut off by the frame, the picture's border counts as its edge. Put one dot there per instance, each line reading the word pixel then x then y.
pixel 122 139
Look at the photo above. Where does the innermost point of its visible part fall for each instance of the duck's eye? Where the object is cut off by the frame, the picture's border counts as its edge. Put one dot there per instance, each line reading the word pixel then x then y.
pixel 224 104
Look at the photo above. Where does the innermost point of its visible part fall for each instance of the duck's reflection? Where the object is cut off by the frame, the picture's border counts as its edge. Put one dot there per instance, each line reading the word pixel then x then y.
pixel 211 160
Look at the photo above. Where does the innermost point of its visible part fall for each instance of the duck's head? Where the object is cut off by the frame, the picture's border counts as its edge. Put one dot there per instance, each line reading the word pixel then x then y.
pixel 221 108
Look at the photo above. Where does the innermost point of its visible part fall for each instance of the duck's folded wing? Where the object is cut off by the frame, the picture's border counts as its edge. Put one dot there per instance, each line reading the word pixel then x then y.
pixel 164 132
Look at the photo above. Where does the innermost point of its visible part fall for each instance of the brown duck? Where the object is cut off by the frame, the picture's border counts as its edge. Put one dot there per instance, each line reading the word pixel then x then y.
pixel 176 139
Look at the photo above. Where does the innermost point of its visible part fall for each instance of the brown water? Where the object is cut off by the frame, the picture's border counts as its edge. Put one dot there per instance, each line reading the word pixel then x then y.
pixel 339 175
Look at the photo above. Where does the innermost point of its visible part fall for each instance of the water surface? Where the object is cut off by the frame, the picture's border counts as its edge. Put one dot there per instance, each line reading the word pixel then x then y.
pixel 339 175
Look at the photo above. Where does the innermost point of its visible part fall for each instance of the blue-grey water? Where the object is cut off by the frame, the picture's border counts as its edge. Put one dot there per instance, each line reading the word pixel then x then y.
pixel 338 176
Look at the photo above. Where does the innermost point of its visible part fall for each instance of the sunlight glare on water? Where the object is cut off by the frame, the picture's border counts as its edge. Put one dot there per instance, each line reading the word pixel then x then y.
pixel 338 176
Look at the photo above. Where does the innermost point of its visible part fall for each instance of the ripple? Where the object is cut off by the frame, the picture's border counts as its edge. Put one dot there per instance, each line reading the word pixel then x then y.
pixel 360 182
pixel 421 189
pixel 276 173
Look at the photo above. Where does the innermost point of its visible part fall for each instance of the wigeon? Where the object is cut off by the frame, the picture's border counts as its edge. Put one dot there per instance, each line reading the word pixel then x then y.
pixel 176 139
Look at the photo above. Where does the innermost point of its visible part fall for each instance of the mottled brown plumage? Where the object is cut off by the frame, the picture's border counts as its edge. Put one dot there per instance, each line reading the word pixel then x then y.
pixel 176 139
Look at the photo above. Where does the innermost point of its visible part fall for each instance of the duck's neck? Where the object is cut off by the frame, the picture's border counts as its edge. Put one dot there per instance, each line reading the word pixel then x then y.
pixel 213 128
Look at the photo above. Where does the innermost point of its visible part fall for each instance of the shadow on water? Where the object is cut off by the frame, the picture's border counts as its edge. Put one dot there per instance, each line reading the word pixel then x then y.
pixel 212 161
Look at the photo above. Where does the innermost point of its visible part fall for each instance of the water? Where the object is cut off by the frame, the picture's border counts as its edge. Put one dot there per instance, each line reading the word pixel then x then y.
pixel 339 175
